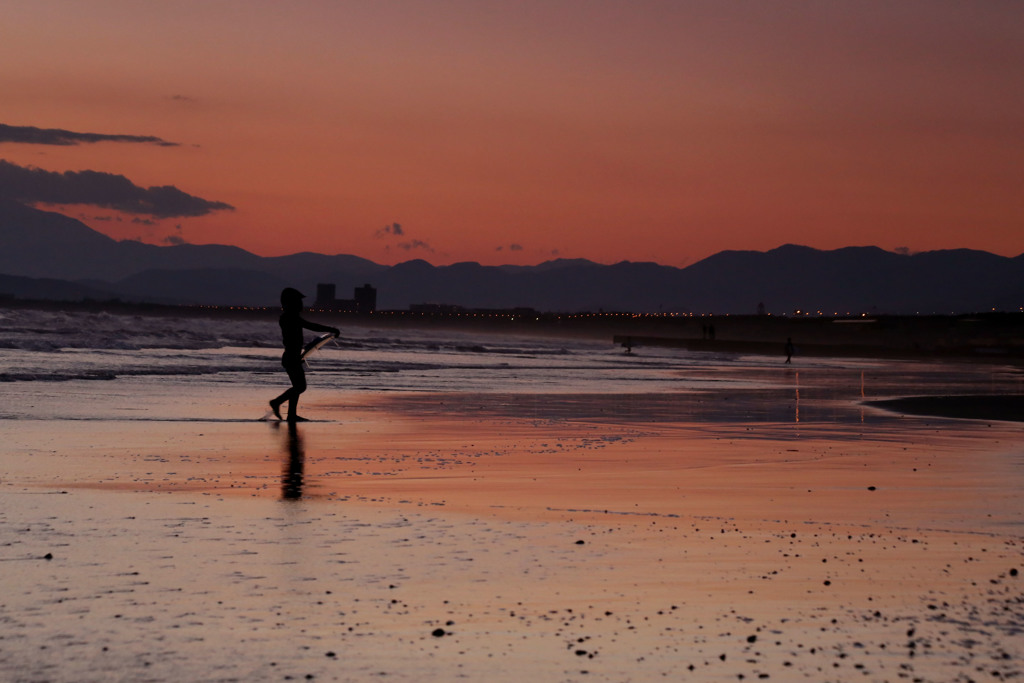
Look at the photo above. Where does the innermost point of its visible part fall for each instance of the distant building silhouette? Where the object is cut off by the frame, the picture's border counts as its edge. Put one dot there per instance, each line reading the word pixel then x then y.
pixel 326 295
pixel 364 299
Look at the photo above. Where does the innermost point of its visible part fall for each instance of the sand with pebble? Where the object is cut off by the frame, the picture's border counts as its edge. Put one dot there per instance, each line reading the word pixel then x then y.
pixel 446 536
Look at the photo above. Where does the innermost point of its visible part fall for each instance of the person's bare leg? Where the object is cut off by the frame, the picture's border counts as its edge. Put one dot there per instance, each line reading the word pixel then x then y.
pixel 293 409
pixel 275 404
pixel 298 378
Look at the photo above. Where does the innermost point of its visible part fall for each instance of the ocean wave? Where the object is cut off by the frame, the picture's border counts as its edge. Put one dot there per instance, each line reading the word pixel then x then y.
pixel 55 376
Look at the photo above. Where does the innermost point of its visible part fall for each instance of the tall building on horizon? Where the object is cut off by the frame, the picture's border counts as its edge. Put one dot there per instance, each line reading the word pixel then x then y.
pixel 364 299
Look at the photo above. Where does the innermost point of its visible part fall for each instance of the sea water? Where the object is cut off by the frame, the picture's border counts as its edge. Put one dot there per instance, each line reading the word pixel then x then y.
pixel 73 364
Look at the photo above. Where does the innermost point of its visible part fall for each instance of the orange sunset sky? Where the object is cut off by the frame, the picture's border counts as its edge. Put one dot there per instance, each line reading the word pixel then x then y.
pixel 519 131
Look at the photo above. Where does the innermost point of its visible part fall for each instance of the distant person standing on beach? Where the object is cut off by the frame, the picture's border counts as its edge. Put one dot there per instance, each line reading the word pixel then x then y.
pixel 789 349
pixel 292 324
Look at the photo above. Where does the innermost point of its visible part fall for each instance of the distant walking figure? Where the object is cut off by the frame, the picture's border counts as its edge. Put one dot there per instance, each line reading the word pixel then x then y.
pixel 789 349
pixel 292 324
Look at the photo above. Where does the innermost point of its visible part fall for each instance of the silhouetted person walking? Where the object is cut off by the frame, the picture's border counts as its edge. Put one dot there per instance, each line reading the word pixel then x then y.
pixel 789 349
pixel 292 324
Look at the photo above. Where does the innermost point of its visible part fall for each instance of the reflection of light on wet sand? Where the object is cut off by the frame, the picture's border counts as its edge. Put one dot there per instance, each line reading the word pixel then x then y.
pixel 796 402
pixel 862 396
pixel 648 548
pixel 697 537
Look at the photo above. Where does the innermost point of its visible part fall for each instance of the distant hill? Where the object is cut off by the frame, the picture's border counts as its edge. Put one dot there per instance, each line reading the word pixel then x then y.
pixel 859 279
pixel 48 255
pixel 50 289
pixel 36 243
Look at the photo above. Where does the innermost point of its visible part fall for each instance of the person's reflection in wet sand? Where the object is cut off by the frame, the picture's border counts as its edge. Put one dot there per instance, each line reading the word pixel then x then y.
pixel 293 472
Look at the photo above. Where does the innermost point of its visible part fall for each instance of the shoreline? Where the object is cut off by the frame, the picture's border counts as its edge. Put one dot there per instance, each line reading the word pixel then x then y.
pixel 753 522
pixel 992 337
pixel 409 546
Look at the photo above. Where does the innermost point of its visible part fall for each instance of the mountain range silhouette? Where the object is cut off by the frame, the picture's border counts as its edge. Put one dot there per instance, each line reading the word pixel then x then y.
pixel 47 255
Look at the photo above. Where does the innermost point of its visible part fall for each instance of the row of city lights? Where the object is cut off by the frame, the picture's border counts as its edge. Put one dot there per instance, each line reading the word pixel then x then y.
pixel 559 316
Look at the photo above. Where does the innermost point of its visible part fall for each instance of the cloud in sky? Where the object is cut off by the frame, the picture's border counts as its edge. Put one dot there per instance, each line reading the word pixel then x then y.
pixel 393 229
pixel 650 130
pixel 95 188
pixel 396 230
pixel 64 138
pixel 409 245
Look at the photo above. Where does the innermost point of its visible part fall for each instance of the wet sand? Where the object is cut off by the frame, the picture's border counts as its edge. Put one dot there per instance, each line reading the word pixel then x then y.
pixel 568 538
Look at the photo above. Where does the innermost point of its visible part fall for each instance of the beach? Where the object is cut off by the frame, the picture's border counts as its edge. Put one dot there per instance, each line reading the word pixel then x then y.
pixel 717 519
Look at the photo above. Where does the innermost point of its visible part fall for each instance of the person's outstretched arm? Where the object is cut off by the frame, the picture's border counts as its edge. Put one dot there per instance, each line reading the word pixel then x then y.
pixel 317 327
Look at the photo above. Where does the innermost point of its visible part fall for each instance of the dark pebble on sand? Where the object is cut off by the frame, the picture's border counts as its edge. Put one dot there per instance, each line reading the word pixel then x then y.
pixel 580 542
pixel 751 639
pixel 437 632
pixel 871 488
pixel 48 556
pixel 1013 572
